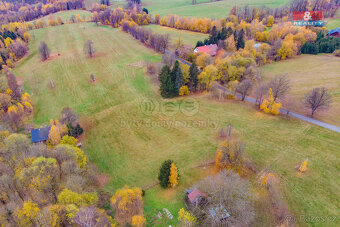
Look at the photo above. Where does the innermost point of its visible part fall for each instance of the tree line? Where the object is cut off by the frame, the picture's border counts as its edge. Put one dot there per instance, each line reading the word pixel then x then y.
pixel 249 14
pixel 115 17
pixel 158 42
pixel 14 40
pixel 42 186
pixel 22 11
pixel 215 36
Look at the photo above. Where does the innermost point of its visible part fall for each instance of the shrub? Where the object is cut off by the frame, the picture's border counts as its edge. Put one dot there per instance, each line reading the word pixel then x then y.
pixel 336 53
pixel 184 90
pixel 321 45
pixel 75 131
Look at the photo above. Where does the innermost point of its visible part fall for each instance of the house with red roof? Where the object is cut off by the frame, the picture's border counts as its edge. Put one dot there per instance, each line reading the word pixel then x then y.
pixel 335 32
pixel 208 49
pixel 196 196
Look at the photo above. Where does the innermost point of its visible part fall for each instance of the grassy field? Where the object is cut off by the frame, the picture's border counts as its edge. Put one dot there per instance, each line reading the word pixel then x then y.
pixel 333 22
pixel 113 3
pixel 66 15
pixel 307 72
pixel 187 37
pixel 204 8
pixel 129 144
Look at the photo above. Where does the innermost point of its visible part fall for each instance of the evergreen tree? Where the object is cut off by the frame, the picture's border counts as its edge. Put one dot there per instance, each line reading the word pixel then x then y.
pixel 170 87
pixel 229 32
pixel 213 36
pixel 165 71
pixel 223 34
pixel 193 77
pixel 199 44
pixel 235 35
pixel 167 86
pixel 240 40
pixel 164 173
pixel 177 78
pixel 179 82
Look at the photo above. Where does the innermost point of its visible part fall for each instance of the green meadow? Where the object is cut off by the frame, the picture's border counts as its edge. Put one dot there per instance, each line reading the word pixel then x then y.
pixel 306 72
pixel 128 143
pixel 187 37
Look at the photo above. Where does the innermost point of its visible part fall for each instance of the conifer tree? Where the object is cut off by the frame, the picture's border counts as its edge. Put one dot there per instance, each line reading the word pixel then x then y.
pixel 177 79
pixel 179 82
pixel 240 40
pixel 164 173
pixel 163 77
pixel 167 79
pixel 193 77
pixel 173 178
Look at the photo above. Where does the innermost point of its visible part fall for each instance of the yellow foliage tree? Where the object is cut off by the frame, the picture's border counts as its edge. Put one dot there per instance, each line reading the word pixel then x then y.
pixel 9 63
pixel 9 91
pixel 27 37
pixel 71 211
pixel 8 41
pixel 267 178
pixel 303 166
pixel 69 140
pixel 186 217
pixel 79 18
pixel 269 105
pixel 56 214
pixel 81 158
pixel 27 215
pixel 127 202
pixel 138 221
pixel 67 196
pixel 229 156
pixel 173 178
pixel 230 44
pixel 54 135
pixel 219 160
pixel 185 73
pixel 270 21
pixel 184 90
pixel 208 76
pixel 203 60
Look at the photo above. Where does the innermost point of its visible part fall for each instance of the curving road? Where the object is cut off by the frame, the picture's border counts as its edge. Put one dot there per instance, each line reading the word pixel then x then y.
pixel 282 110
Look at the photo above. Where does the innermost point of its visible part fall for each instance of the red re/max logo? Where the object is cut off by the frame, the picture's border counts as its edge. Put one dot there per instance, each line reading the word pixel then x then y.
pixel 307 15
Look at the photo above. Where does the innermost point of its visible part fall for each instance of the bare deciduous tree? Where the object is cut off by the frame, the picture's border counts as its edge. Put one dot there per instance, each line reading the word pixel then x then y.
pixel 69 116
pixel 280 85
pixel 260 91
pixel 318 98
pixel 91 216
pixel 89 48
pixel 229 190
pixel 44 51
pixel 86 216
pixel 244 88
pixel 13 84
